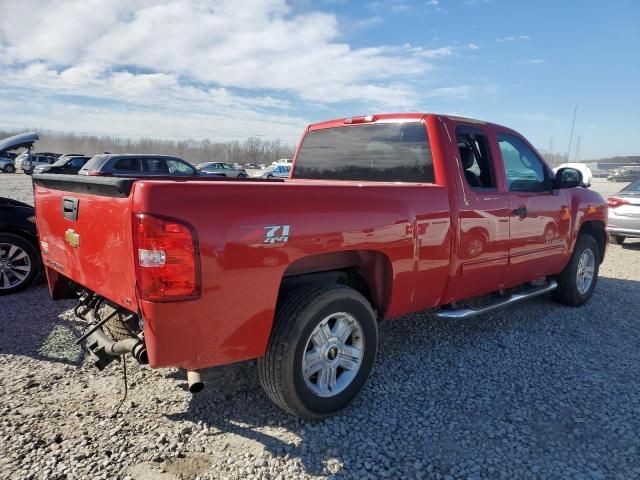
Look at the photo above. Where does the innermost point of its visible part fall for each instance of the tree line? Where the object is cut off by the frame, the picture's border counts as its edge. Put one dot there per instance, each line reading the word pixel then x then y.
pixel 252 150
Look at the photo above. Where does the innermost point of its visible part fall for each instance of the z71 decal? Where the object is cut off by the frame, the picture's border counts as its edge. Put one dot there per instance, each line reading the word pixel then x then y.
pixel 276 234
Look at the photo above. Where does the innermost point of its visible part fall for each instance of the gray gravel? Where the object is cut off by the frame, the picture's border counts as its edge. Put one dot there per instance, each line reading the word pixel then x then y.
pixel 535 391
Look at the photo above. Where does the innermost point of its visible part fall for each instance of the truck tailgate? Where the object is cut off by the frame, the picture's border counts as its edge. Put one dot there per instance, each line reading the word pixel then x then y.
pixel 84 225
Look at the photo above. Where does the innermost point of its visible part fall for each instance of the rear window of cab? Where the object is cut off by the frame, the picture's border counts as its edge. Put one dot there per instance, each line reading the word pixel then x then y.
pixel 381 152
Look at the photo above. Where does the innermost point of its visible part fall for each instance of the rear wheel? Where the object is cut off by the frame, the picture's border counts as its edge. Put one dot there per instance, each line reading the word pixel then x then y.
pixel 321 351
pixel 19 263
pixel 617 239
pixel 242 175
pixel 578 279
pixel 9 168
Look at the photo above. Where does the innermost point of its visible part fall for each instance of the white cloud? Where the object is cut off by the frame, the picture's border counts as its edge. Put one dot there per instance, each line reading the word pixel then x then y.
pixel 533 61
pixel 196 67
pixel 513 38
pixel 258 46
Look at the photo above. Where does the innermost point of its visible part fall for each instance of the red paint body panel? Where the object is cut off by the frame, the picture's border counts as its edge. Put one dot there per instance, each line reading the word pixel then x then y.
pixel 417 245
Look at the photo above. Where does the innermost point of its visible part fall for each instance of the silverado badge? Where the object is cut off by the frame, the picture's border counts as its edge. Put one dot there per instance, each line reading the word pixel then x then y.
pixel 72 238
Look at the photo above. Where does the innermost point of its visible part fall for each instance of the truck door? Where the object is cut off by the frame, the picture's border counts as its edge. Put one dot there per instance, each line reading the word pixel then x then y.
pixel 483 229
pixel 539 219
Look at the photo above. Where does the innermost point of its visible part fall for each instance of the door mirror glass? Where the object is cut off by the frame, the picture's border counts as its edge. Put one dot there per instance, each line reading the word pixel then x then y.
pixel 568 178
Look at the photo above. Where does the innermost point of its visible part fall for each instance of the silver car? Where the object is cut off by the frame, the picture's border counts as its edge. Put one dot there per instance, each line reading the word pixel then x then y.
pixel 223 169
pixel 624 213
pixel 7 164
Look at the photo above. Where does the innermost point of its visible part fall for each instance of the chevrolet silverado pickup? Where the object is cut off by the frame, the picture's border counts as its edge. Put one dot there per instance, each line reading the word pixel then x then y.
pixel 381 216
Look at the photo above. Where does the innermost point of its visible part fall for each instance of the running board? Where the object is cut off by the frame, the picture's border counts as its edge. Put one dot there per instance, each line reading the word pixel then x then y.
pixel 514 298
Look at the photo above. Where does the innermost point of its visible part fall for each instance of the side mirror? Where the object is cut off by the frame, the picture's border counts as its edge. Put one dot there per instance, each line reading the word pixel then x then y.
pixel 567 178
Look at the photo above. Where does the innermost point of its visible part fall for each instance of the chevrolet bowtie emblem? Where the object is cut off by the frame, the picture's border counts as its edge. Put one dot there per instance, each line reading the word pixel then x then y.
pixel 72 238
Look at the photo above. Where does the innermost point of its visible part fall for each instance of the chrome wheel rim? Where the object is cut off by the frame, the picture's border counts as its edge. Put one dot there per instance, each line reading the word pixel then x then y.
pixel 333 354
pixel 585 273
pixel 15 265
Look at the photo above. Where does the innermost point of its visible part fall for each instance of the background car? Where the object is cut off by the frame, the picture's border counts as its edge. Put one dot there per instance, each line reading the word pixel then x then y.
pixel 67 164
pixel 8 146
pixel 223 169
pixel 624 175
pixel 624 213
pixel 29 161
pixel 279 171
pixel 136 165
pixel 7 164
pixel 19 251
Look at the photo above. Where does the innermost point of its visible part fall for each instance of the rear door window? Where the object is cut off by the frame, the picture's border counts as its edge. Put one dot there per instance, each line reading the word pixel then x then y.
pixel 155 166
pixel 475 156
pixel 391 152
pixel 127 165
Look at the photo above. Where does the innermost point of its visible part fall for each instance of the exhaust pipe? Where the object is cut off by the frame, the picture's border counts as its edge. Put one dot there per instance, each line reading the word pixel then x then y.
pixel 195 381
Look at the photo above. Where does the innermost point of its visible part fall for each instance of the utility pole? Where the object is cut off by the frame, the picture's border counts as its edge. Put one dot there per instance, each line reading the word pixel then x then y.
pixel 573 124
pixel 578 141
pixel 552 157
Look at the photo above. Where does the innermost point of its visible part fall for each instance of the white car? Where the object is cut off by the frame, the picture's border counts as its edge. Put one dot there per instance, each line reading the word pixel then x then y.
pixel 587 175
pixel 278 171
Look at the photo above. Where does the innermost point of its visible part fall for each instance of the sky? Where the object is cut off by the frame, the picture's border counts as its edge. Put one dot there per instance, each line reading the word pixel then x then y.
pixel 229 69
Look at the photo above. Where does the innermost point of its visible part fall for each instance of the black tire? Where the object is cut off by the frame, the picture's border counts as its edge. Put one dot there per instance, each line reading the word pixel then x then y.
pixel 34 261
pixel 9 168
pixel 568 292
pixel 280 369
pixel 269 177
pixel 242 175
pixel 617 239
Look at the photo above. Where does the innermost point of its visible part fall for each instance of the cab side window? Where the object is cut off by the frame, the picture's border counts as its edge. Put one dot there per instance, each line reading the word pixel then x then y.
pixel 475 158
pixel 525 171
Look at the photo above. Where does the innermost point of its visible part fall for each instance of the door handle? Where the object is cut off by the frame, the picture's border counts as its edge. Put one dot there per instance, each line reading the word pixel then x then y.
pixel 520 212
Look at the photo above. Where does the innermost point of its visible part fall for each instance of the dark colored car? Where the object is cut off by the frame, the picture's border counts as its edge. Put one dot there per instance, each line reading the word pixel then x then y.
pixel 69 164
pixel 625 175
pixel 19 251
pixel 134 165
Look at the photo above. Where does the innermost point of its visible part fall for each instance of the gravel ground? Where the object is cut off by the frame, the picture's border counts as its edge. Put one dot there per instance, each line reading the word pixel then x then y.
pixel 533 391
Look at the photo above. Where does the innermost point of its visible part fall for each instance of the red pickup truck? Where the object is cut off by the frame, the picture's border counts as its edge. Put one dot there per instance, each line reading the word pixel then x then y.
pixel 383 215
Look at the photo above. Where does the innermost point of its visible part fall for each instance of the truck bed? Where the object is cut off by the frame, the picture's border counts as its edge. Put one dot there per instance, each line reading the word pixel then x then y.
pixel 243 251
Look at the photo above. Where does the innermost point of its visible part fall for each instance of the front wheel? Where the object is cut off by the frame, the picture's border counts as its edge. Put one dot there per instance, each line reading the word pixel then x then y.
pixel 321 351
pixel 9 168
pixel 578 279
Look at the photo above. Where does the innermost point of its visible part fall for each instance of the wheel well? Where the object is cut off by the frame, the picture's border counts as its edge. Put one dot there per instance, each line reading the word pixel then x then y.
pixel 22 234
pixel 596 229
pixel 367 271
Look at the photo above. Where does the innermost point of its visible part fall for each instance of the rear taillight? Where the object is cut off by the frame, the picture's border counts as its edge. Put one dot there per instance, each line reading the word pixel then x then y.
pixel 614 202
pixel 167 259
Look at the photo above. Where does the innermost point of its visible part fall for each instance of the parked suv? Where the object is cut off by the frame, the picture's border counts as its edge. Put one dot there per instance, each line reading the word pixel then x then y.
pixel 134 165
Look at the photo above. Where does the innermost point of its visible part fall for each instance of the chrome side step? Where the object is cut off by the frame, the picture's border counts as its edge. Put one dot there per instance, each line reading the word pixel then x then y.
pixel 514 298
